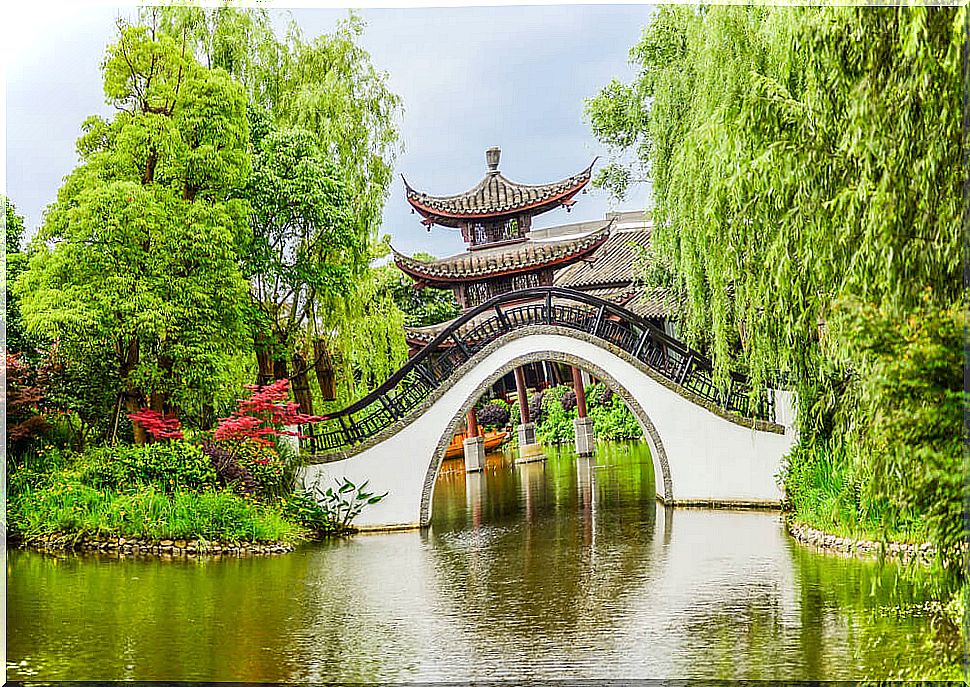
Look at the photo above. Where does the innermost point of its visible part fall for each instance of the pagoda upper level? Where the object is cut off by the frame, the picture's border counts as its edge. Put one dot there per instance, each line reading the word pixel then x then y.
pixel 496 210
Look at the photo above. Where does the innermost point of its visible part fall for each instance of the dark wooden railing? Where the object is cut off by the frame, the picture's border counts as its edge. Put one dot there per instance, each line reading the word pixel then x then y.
pixel 435 363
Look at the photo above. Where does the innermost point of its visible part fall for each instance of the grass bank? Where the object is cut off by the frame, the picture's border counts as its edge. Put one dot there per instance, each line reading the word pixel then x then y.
pixel 172 490
pixel 826 491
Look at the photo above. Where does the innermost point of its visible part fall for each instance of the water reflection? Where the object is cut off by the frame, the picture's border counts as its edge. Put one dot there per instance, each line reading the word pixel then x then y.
pixel 561 569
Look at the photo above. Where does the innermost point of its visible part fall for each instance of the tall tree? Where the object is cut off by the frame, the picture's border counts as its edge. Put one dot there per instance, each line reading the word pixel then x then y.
pixel 17 339
pixel 137 255
pixel 303 253
pixel 806 165
pixel 324 140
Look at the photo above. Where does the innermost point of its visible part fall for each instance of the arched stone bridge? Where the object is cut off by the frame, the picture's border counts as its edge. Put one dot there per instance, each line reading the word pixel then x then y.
pixel 709 447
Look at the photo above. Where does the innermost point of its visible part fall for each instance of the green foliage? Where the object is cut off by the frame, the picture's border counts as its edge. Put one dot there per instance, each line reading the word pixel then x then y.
pixel 136 259
pixel 825 488
pixel 494 413
pixel 214 172
pixel 912 405
pixel 73 509
pixel 422 307
pixel 555 424
pixel 612 420
pixel 305 251
pixel 330 87
pixel 344 503
pixel 168 467
pixel 307 512
pixel 799 169
pixel 370 339
pixel 272 472
pixel 323 139
pixel 17 339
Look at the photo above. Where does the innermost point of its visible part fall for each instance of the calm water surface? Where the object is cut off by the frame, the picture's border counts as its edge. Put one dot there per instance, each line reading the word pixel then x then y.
pixel 561 569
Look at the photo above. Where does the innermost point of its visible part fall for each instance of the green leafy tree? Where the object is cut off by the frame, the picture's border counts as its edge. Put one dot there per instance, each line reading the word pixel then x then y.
pixel 16 261
pixel 136 258
pixel 797 167
pixel 913 399
pixel 324 139
pixel 304 252
pixel 426 306
pixel 369 345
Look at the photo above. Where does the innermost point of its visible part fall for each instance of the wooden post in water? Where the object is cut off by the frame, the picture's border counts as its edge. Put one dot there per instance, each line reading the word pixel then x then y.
pixel 471 420
pixel 529 449
pixel 582 425
pixel 523 396
pixel 580 391
pixel 474 444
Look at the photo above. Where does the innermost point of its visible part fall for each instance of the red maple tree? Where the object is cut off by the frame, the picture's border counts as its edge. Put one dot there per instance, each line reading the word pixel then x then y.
pixel 159 426
pixel 266 413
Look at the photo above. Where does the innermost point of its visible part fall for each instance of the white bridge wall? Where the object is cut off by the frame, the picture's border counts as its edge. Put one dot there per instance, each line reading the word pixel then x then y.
pixel 710 458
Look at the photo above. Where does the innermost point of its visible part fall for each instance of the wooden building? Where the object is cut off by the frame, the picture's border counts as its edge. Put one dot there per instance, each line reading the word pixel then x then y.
pixel 506 253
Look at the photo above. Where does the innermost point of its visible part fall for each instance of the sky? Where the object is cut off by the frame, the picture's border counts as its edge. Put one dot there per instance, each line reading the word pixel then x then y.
pixel 470 78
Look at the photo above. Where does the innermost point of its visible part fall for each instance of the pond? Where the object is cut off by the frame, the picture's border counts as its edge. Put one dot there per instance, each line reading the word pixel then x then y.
pixel 566 568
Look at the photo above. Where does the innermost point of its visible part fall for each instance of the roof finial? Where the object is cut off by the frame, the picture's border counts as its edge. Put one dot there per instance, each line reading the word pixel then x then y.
pixel 492 156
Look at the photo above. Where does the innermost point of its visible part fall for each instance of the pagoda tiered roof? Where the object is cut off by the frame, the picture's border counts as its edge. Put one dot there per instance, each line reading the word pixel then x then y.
pixel 502 260
pixel 496 196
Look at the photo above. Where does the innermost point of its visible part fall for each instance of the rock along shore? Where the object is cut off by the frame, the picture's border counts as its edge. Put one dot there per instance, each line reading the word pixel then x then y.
pixel 167 548
pixel 823 541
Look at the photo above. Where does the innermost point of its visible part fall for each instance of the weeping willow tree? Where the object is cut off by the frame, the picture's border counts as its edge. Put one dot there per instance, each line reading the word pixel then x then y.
pixel 806 168
pixel 367 335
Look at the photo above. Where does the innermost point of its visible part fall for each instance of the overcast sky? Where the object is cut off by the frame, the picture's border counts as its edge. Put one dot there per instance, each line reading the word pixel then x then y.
pixel 470 78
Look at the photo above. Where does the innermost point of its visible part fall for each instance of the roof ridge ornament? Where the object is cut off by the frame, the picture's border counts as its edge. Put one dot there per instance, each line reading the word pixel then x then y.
pixel 492 157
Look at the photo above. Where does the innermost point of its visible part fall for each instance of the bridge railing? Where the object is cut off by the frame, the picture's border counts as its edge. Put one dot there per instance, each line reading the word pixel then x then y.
pixel 456 344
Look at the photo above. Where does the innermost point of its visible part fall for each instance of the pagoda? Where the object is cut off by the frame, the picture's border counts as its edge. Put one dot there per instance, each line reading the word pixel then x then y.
pixel 495 218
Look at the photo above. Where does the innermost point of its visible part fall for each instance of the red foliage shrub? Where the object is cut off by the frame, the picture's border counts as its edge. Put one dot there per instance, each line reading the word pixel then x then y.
pixel 23 396
pixel 158 425
pixel 264 414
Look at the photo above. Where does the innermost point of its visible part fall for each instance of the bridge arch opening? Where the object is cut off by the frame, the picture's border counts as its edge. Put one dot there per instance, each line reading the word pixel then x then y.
pixel 654 441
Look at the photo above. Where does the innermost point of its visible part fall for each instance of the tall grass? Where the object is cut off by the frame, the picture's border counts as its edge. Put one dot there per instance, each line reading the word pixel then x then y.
pixel 73 509
pixel 825 489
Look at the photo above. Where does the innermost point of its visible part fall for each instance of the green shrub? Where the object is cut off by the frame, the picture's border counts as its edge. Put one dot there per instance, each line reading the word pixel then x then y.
pixel 827 490
pixel 169 466
pixel 272 472
pixel 493 414
pixel 611 418
pixel 304 510
pixel 35 466
pixel 555 424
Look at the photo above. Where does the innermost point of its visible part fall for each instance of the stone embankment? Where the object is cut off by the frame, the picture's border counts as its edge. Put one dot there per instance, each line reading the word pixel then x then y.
pixel 164 547
pixel 824 541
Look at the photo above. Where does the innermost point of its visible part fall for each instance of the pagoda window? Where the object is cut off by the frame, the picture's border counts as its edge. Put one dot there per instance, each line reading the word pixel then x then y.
pixel 528 280
pixel 483 233
pixel 478 292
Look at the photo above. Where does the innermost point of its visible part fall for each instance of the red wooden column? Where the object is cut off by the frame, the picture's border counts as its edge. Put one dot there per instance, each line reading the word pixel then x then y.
pixel 580 392
pixel 523 397
pixel 472 421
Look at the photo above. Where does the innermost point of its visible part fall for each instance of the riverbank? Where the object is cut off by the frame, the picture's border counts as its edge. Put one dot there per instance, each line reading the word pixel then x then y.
pixel 161 498
pixel 164 548
pixel 867 548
